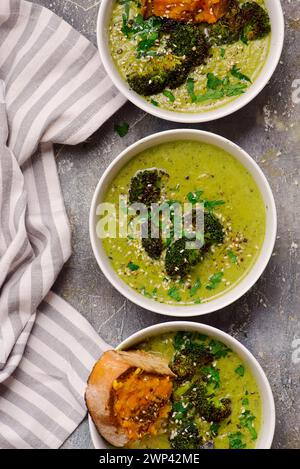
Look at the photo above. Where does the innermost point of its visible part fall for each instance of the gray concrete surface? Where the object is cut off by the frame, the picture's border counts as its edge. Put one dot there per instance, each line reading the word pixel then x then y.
pixel 266 320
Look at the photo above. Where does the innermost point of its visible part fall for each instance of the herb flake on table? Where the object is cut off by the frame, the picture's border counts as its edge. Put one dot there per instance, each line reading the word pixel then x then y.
pixel 122 129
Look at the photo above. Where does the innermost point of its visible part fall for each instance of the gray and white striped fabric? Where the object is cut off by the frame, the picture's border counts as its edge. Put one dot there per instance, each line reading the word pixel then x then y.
pixel 53 89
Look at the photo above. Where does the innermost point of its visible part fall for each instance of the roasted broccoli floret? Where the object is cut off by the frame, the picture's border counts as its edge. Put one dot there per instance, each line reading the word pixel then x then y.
pixel 179 260
pixel 256 21
pixel 186 437
pixel 249 22
pixel 157 74
pixel 210 408
pixel 228 29
pixel 188 41
pixel 213 229
pixel 216 411
pixel 145 186
pixel 188 360
pixel 153 246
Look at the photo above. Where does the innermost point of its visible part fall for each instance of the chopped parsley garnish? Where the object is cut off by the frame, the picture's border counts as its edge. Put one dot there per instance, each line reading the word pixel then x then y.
pixel 194 197
pixel 212 376
pixel 211 204
pixel 190 85
pixel 236 441
pixel 173 293
pixel 201 337
pixel 122 129
pixel 179 410
pixel 245 401
pixel 235 72
pixel 168 94
pixel 214 280
pixel 195 287
pixel 145 292
pixel 155 103
pixel 222 52
pixel 126 29
pixel 240 370
pixel 232 256
pixel 218 349
pixel 214 428
pixel 147 30
pixel 246 421
pixel 133 266
pixel 244 38
pixel 145 44
pixel 217 88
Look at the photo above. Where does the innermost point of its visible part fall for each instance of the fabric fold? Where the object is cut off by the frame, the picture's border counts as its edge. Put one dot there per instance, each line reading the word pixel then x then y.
pixel 53 89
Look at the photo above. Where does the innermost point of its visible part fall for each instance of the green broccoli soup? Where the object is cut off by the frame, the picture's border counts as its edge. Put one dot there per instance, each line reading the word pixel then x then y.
pixel 192 174
pixel 189 56
pixel 215 402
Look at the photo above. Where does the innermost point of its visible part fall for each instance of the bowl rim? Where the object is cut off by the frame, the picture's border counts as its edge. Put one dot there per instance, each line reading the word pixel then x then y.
pixel 258 85
pixel 244 284
pixel 266 433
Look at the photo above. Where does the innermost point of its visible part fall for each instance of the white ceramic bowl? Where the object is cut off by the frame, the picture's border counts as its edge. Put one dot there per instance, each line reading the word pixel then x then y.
pixel 246 283
pixel 266 433
pixel 277 22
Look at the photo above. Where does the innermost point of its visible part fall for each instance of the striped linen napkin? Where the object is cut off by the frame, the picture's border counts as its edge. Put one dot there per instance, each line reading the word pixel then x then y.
pixel 53 89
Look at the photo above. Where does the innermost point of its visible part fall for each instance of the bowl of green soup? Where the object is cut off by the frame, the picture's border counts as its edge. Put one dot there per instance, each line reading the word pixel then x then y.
pixel 190 61
pixel 183 222
pixel 218 395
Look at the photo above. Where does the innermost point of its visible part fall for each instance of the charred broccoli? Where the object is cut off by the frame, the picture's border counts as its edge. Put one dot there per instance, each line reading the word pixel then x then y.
pixel 186 437
pixel 228 29
pixel 211 409
pixel 248 22
pixel 179 260
pixel 159 73
pixel 188 41
pixel 145 186
pixel 215 410
pixel 153 246
pixel 213 229
pixel 256 22
pixel 188 360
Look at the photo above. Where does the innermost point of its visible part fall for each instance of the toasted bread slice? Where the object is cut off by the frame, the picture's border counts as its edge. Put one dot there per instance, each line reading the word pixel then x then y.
pixel 99 393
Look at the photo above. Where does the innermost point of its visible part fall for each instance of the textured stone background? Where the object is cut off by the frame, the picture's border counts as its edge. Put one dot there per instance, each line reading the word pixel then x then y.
pixel 266 320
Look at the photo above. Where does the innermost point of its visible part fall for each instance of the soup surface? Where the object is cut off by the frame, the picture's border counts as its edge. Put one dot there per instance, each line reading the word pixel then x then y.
pixel 196 170
pixel 226 381
pixel 225 73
